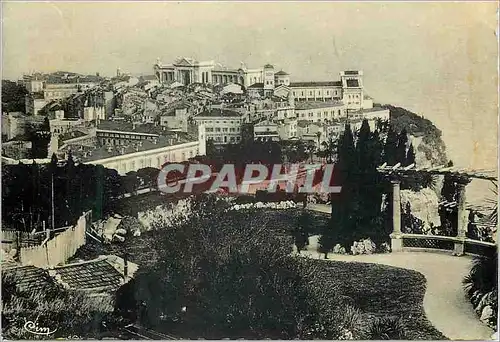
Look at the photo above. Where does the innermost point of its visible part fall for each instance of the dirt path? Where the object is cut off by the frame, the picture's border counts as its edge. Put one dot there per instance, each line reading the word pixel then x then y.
pixel 445 303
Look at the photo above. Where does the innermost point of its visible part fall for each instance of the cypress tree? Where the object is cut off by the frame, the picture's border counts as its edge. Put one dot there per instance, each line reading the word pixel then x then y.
pixel 362 147
pixel 338 230
pixel 449 192
pixel 401 147
pixel 390 147
pixel 410 156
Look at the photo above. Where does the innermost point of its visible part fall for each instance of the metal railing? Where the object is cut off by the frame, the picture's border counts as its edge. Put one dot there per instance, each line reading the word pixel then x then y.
pixel 456 245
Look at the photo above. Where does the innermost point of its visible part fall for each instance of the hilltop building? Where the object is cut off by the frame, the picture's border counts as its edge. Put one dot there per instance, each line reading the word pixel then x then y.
pixel 222 126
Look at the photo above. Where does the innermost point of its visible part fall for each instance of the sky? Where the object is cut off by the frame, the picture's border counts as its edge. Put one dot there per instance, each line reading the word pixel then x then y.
pixel 437 59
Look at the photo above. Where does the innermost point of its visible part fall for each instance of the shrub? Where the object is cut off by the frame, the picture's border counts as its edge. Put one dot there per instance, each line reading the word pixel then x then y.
pixel 386 328
pixel 384 247
pixel 235 279
pixel 363 246
pixel 338 249
pixel 481 286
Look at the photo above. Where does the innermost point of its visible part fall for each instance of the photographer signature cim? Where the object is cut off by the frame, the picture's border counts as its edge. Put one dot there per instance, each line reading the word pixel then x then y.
pixel 34 328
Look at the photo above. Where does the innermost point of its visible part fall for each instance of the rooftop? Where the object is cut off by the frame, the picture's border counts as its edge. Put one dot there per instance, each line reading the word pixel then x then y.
pixel 316 84
pixel 266 123
pixel 29 278
pixel 317 104
pixel 124 126
pixel 71 135
pixel 281 73
pixel 256 86
pixel 94 275
pixel 305 123
pixel 218 113
pixel 351 72
pixel 93 153
pixel 268 66
pixel 149 78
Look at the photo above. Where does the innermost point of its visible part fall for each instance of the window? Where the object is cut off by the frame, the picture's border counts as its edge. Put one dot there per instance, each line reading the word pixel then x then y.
pixel 310 93
pixel 224 129
pixel 302 93
pixel 217 129
pixel 303 115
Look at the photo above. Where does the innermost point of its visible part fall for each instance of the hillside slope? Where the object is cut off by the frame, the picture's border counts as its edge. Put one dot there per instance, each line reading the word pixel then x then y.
pixel 424 135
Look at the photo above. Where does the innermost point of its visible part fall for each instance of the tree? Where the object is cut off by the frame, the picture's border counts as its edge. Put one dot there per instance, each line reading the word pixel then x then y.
pixel 233 278
pixel 449 193
pixel 13 97
pixel 390 147
pixel 301 232
pixel 328 151
pixel 149 176
pixel 343 203
pixel 401 147
pixel 410 156
pixel 40 139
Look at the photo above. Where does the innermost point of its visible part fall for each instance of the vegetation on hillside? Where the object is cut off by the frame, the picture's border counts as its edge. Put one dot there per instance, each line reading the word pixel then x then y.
pixel 231 276
pixel 432 145
pixel 13 97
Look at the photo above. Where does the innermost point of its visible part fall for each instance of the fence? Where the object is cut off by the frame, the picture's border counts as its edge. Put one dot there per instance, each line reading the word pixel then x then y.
pixel 58 249
pixel 455 244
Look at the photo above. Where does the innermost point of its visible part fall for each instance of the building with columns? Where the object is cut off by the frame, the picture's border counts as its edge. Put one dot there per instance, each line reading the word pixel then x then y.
pixel 188 70
pixel 263 82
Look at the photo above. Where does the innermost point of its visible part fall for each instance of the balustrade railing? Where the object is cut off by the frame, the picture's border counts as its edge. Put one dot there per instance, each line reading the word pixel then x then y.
pixel 454 244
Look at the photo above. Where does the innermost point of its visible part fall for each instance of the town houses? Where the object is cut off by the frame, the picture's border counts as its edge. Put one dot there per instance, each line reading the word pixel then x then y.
pixel 127 123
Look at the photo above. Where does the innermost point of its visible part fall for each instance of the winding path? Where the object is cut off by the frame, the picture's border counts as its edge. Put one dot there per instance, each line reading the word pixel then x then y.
pixel 445 303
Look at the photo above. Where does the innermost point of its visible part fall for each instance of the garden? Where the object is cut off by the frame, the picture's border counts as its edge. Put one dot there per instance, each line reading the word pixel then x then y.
pixel 233 275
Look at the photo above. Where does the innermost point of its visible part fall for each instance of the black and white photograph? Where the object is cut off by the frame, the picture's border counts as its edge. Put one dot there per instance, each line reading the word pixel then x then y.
pixel 218 170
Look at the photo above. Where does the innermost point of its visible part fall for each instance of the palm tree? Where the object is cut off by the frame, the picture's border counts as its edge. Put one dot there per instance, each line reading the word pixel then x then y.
pixel 493 216
pixel 318 135
pixel 329 150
